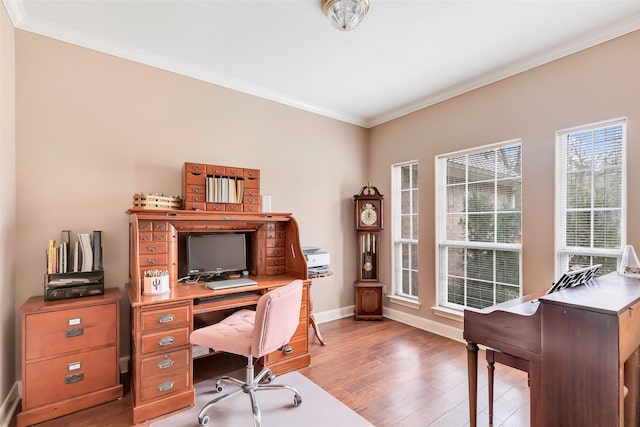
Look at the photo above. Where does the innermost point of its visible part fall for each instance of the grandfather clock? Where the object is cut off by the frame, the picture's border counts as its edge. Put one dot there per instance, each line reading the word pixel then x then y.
pixel 368 289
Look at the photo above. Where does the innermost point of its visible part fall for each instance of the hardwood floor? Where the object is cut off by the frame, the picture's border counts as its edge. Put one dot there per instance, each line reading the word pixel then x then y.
pixel 392 374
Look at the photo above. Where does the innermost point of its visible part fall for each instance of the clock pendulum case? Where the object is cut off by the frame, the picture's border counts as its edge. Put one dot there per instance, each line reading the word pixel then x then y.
pixel 368 222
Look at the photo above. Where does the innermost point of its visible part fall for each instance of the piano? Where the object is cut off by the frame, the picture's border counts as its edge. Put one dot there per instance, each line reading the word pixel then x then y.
pixel 579 346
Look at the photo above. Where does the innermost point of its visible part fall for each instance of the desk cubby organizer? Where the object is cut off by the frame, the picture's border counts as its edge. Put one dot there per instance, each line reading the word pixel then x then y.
pixel 221 188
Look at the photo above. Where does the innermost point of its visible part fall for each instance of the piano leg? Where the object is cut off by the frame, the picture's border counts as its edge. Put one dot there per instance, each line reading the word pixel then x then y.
pixel 472 371
pixel 491 367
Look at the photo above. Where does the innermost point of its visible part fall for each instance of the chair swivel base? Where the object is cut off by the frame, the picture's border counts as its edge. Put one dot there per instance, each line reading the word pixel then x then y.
pixel 250 387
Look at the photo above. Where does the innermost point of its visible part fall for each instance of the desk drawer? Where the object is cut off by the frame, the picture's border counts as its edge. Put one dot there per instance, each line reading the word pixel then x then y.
pixel 165 340
pixel 166 364
pixel 629 331
pixel 66 331
pixel 165 385
pixel 68 376
pixel 299 345
pixel 165 317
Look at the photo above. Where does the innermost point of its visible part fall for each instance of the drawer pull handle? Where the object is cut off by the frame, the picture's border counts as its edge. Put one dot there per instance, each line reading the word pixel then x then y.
pixel 166 318
pixel 152 248
pixel 75 332
pixel 166 341
pixel 287 349
pixel 166 386
pixel 165 364
pixel 69 379
pixel 152 260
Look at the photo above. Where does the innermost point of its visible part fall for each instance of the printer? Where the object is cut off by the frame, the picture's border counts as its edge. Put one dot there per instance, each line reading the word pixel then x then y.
pixel 317 260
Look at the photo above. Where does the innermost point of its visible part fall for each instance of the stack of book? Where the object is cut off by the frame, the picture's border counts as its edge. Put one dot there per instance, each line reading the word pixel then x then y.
pixel 68 256
pixel 222 189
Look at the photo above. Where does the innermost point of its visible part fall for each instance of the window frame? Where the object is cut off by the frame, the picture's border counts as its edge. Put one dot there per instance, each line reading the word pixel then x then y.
pixel 563 251
pixel 443 244
pixel 396 233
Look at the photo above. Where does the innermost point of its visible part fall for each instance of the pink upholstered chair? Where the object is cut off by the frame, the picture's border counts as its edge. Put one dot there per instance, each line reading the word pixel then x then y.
pixel 254 334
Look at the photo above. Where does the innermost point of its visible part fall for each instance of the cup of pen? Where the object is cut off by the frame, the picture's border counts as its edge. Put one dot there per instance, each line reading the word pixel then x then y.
pixel 156 282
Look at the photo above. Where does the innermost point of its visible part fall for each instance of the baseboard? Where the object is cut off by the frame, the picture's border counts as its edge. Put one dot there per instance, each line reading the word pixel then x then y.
pixel 10 405
pixel 424 324
pixel 339 313
pixel 399 316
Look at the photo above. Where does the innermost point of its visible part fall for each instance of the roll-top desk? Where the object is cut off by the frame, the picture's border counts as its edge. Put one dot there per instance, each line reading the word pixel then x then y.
pixel 161 367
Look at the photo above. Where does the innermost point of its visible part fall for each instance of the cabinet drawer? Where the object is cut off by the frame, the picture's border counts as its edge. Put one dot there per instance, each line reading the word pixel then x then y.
pixel 251 192
pixel 252 183
pixel 153 260
pixel 165 365
pixel 165 340
pixel 275 270
pixel 195 179
pixel 252 173
pixel 251 208
pixel 275 261
pixel 234 172
pixel 275 252
pixel 69 376
pixel 195 189
pixel 67 331
pixel 165 385
pixel 154 248
pixel 145 226
pixel 299 346
pixel 193 206
pixel 215 206
pixel 251 200
pixel 275 243
pixel 165 317
pixel 195 197
pixel 195 167
pixel 233 207
pixel 216 170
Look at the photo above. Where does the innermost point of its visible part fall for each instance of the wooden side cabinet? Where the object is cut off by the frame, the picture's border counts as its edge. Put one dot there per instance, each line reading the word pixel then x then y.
pixel 70 355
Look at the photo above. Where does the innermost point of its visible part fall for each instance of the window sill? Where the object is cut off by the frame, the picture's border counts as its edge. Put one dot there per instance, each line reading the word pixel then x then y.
pixel 448 313
pixel 411 303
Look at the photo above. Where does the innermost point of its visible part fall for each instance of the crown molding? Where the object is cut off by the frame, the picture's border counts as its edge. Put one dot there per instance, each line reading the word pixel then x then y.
pixel 22 21
pixel 604 34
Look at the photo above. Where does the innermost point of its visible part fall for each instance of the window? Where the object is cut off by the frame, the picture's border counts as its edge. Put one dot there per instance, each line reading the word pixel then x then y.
pixel 479 226
pixel 405 230
pixel 590 205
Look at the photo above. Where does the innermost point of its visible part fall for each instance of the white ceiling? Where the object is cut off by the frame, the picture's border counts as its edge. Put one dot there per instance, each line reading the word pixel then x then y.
pixel 405 55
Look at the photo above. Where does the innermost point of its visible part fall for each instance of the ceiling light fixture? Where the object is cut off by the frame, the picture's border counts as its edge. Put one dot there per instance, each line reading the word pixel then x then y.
pixel 345 14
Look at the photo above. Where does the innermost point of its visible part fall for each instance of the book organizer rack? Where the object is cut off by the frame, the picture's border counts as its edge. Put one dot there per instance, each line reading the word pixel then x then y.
pixel 221 188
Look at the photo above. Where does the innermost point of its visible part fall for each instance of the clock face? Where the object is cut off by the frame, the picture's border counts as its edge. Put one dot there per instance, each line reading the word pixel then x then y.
pixel 368 214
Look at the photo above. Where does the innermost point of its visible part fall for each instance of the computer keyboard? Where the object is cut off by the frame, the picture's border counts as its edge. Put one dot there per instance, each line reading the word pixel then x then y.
pixel 231 283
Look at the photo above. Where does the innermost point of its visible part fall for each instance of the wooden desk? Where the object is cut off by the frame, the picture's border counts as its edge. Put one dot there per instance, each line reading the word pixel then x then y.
pixel 581 345
pixel 161 355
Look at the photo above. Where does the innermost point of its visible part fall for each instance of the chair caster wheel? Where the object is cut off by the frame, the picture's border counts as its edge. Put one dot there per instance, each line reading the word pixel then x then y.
pixel 297 400
pixel 219 386
pixel 203 420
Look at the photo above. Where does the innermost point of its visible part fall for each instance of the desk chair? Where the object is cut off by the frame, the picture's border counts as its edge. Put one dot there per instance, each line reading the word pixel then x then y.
pixel 254 334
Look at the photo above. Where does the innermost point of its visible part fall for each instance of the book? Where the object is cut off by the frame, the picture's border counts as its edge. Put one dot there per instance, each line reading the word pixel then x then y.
pixel 97 250
pixel 51 256
pixel 76 256
pixel 87 252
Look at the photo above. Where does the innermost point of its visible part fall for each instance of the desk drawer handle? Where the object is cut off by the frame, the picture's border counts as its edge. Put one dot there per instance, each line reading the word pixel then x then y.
pixel 166 341
pixel 69 379
pixel 75 332
pixel 287 349
pixel 152 260
pixel 166 386
pixel 166 318
pixel 165 364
